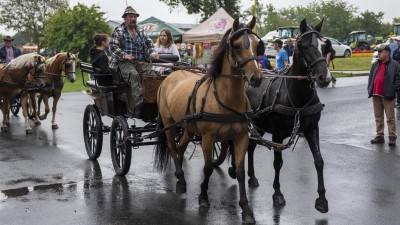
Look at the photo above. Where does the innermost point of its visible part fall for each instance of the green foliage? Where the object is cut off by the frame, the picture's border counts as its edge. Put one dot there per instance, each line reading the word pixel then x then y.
pixel 73 29
pixel 340 18
pixel 28 15
pixel 206 7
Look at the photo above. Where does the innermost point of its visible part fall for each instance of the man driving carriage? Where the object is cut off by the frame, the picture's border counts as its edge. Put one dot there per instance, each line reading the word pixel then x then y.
pixel 8 52
pixel 129 46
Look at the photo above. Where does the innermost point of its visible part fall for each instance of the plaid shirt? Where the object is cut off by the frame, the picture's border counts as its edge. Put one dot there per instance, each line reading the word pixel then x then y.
pixel 122 43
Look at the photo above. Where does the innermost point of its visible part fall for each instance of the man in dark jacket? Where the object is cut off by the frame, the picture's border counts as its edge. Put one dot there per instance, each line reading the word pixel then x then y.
pixel 8 52
pixel 383 82
pixel 396 56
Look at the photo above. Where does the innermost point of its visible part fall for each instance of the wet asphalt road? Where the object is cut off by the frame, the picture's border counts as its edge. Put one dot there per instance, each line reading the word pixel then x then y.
pixel 46 177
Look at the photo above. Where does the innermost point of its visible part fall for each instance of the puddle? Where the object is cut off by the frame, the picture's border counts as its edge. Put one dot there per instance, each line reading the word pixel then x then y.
pixel 18 192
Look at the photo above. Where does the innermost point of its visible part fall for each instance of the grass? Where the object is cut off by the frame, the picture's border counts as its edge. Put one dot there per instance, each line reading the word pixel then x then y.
pixel 354 63
pixel 77 85
pixel 348 64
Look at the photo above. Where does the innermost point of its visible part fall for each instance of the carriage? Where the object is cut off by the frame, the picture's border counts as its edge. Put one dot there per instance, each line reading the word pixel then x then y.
pixel 112 98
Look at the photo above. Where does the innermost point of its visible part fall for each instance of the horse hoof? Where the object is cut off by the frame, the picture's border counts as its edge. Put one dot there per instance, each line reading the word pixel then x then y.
pixel 54 127
pixel 253 182
pixel 232 172
pixel 42 117
pixel 321 205
pixel 37 122
pixel 4 129
pixel 204 203
pixel 278 200
pixel 180 188
pixel 248 218
pixel 29 131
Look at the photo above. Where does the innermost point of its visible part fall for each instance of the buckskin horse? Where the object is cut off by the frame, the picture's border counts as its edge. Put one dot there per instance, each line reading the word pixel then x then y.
pixel 14 83
pixel 62 62
pixel 289 105
pixel 214 106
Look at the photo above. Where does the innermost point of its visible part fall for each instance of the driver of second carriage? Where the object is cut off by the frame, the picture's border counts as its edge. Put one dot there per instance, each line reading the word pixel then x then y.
pixel 130 43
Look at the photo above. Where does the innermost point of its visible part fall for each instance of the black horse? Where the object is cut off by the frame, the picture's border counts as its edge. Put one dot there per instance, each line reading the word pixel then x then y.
pixel 289 106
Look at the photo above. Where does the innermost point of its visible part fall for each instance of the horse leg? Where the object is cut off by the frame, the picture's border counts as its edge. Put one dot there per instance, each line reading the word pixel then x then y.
pixel 45 99
pixel 232 169
pixel 277 197
pixel 54 125
pixel 172 149
pixel 6 112
pixel 240 150
pixel 32 97
pixel 253 181
pixel 321 203
pixel 207 144
pixel 24 101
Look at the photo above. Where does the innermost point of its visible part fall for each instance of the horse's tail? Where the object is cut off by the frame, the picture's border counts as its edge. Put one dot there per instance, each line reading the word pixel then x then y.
pixel 161 155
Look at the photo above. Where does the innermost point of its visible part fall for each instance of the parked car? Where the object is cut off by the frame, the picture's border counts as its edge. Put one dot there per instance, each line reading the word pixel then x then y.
pixel 374 57
pixel 341 50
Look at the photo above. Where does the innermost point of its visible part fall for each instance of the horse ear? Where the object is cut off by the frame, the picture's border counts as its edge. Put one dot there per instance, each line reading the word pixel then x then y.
pixel 235 24
pixel 76 54
pixel 303 26
pixel 252 23
pixel 319 26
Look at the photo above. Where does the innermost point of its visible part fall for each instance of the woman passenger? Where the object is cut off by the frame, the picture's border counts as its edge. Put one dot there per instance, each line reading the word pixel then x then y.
pixel 165 45
pixel 98 54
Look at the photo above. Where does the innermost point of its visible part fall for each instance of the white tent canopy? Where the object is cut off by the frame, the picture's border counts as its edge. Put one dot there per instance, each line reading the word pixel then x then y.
pixel 212 29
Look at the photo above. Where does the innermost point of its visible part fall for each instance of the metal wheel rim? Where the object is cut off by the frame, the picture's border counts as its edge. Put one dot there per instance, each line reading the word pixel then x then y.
pixel 91 131
pixel 119 147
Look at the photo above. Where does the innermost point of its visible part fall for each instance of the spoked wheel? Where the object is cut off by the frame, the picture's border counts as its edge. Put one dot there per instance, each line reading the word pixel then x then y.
pixel 121 151
pixel 15 105
pixel 219 152
pixel 92 132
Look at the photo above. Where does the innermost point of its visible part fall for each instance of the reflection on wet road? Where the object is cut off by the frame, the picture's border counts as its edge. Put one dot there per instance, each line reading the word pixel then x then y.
pixel 46 177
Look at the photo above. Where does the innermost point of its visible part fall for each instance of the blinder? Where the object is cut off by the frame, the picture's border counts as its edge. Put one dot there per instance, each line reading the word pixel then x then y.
pixel 246 43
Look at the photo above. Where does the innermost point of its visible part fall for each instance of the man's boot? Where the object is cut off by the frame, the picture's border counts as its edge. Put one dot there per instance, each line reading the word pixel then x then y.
pixel 378 140
pixel 392 141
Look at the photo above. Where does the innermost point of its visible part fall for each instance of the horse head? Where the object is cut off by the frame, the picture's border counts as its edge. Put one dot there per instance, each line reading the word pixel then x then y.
pixel 37 71
pixel 310 48
pixel 69 67
pixel 239 47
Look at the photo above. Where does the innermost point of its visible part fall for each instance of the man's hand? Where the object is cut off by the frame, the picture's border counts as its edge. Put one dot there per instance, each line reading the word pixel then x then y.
pixel 154 55
pixel 128 57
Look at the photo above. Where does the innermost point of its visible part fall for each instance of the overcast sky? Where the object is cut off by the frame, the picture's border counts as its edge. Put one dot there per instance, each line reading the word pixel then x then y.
pixel 146 8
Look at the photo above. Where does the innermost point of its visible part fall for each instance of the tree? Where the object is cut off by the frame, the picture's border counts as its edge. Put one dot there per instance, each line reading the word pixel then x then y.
pixel 28 15
pixel 372 23
pixel 206 7
pixel 73 29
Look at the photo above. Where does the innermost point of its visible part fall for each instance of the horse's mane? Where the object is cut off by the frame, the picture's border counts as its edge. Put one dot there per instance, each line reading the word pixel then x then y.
pixel 26 60
pixel 218 57
pixel 52 59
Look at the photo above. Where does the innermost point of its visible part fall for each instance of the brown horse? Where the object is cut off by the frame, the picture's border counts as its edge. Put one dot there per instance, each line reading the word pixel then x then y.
pixel 217 109
pixel 62 62
pixel 14 83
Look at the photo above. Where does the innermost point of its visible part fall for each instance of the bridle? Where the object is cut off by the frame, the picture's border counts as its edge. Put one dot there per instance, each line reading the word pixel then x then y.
pixel 63 68
pixel 246 43
pixel 309 64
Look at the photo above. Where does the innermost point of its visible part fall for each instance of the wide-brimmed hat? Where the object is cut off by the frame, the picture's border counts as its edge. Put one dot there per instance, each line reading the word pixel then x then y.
pixel 8 38
pixel 130 10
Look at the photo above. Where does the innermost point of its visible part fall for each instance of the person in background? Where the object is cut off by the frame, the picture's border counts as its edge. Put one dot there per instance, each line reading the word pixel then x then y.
pixel 396 56
pixel 8 52
pixel 264 62
pixel 130 43
pixel 98 53
pixel 281 58
pixel 165 45
pixel 393 46
pixel 289 47
pixel 383 82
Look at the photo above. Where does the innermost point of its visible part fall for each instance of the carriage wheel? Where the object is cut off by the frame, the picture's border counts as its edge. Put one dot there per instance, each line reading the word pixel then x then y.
pixel 121 151
pixel 15 105
pixel 92 132
pixel 219 152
